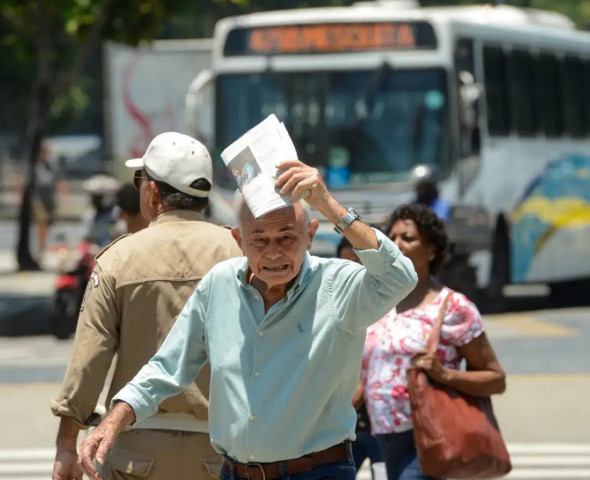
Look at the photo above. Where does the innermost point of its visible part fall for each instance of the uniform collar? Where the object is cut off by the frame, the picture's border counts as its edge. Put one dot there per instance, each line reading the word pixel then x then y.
pixel 300 282
pixel 177 216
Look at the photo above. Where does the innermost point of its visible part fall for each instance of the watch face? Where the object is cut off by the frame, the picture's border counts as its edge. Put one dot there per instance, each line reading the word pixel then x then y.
pixel 346 220
pixel 352 215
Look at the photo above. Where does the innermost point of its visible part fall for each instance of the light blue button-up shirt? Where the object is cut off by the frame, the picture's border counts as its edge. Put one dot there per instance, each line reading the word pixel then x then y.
pixel 281 381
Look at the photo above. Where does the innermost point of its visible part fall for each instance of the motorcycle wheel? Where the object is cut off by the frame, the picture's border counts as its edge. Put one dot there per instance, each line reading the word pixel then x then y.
pixel 64 315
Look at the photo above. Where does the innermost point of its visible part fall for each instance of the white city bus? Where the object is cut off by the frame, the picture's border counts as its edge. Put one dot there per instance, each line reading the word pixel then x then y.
pixel 491 101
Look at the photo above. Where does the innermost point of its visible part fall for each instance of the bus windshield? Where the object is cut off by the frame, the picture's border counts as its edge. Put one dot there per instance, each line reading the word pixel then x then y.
pixel 372 126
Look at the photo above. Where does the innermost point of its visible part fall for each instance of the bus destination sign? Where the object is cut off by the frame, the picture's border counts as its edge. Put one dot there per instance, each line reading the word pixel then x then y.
pixel 329 38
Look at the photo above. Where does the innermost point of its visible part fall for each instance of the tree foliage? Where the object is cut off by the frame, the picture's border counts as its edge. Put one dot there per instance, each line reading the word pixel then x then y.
pixel 48 44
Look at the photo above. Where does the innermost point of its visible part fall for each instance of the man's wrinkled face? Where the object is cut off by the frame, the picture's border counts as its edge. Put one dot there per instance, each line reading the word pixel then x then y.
pixel 276 245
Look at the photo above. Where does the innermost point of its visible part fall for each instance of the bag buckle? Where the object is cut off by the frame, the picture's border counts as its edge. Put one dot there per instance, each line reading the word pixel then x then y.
pixel 258 465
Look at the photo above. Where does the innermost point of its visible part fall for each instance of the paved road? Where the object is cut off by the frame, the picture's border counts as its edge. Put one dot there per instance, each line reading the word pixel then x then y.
pixel 25 297
pixel 544 414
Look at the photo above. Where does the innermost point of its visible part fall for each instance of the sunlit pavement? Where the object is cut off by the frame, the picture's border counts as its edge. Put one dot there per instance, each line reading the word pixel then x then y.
pixel 544 414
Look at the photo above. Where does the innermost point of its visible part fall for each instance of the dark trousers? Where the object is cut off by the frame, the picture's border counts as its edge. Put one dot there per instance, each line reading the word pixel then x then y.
pixel 399 454
pixel 365 446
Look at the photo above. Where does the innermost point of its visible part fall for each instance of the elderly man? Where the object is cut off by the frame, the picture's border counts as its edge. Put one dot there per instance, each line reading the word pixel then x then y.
pixel 139 285
pixel 283 332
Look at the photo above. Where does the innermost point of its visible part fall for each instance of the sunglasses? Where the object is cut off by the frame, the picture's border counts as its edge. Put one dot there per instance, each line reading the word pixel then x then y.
pixel 138 178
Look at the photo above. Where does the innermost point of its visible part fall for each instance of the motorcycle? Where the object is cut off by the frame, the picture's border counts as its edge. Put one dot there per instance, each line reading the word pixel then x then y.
pixel 75 263
pixel 74 266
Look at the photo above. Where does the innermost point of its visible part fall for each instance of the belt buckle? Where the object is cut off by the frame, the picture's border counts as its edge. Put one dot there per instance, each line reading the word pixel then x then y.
pixel 259 465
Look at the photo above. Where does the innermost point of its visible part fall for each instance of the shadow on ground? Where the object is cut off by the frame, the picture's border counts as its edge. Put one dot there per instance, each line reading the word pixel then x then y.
pixel 24 315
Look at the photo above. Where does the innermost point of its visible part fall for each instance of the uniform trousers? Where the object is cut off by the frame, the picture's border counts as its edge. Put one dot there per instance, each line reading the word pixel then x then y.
pixel 161 455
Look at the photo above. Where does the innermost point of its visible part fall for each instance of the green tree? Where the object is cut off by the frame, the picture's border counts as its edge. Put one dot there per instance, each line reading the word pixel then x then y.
pixel 48 43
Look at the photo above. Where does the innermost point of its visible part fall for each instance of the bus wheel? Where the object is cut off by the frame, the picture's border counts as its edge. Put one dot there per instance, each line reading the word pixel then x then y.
pixel 569 294
pixel 458 275
pixel 500 270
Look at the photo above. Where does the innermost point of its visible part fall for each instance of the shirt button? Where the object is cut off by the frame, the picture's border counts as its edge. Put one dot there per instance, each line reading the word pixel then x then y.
pixel 261 333
pixel 256 373
pixel 252 418
pixel 252 457
pixel 256 296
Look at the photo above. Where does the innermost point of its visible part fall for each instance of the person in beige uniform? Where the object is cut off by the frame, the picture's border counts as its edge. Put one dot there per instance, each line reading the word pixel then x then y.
pixel 139 285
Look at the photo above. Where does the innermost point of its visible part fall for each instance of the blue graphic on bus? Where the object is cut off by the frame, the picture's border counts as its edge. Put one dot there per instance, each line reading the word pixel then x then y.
pixel 558 199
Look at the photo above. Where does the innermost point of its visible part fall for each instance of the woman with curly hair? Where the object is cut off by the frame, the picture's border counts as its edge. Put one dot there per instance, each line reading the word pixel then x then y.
pixel 398 340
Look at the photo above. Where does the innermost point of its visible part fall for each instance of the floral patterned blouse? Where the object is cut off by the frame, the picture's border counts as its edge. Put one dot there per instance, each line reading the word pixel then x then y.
pixel 393 340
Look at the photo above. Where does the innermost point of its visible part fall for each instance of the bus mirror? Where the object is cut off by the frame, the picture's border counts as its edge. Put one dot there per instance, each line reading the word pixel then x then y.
pixel 469 93
pixel 199 107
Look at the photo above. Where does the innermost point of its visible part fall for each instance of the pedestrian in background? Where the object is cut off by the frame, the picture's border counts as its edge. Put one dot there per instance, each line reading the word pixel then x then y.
pixel 99 222
pixel 427 194
pixel 49 183
pixel 283 332
pixel 137 289
pixel 365 445
pixel 129 213
pixel 399 339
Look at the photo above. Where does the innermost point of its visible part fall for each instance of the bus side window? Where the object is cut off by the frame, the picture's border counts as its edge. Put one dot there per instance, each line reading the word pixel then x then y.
pixel 523 87
pixel 549 96
pixel 464 56
pixel 496 88
pixel 468 93
pixel 575 104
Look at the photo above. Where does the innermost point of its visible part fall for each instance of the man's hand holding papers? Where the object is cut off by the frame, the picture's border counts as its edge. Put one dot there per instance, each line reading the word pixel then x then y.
pixel 253 160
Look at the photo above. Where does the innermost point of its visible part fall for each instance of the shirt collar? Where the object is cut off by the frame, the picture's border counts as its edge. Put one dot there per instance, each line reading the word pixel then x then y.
pixel 177 216
pixel 300 282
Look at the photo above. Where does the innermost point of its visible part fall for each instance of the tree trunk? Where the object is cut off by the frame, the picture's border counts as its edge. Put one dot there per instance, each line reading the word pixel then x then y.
pixel 36 131
pixel 23 250
pixel 44 91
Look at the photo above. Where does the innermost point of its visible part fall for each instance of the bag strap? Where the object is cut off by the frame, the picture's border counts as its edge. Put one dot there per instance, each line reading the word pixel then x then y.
pixel 432 343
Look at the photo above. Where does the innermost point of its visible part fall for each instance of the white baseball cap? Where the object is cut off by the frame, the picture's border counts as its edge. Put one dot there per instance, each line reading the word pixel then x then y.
pixel 178 160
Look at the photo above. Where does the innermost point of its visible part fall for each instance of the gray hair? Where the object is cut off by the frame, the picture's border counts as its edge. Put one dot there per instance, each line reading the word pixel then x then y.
pixel 239 203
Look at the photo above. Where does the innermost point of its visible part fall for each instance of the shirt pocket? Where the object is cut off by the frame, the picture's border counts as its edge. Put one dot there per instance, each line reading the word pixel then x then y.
pixel 131 462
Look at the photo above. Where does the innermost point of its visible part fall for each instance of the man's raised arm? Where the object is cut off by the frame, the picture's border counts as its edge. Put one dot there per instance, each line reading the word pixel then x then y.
pixel 360 296
pixel 302 181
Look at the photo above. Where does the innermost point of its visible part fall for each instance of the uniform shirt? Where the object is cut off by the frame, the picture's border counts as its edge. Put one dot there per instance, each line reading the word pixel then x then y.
pixel 139 285
pixel 389 347
pixel 281 381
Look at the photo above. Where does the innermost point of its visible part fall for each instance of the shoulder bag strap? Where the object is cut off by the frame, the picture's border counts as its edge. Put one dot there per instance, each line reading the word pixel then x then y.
pixel 432 343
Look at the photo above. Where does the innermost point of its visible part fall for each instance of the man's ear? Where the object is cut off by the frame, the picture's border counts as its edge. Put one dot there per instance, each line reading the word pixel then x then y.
pixel 313 227
pixel 235 232
pixel 155 197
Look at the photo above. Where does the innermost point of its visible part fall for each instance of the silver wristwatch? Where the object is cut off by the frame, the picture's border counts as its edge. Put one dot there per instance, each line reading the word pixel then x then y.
pixel 346 220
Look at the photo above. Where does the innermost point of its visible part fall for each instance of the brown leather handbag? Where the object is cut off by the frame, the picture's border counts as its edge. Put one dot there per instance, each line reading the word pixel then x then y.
pixel 456 435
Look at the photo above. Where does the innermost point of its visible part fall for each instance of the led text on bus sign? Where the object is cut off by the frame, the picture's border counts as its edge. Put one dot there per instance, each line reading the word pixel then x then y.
pixel 329 38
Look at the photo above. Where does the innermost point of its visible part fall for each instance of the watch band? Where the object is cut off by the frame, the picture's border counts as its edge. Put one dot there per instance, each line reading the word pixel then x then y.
pixel 346 220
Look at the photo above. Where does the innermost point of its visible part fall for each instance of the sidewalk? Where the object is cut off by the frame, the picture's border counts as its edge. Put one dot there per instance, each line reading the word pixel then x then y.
pixel 24 298
pixel 68 211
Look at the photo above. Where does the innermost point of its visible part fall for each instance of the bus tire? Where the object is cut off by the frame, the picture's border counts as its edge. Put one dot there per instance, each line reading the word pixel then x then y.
pixel 458 275
pixel 500 270
pixel 569 294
